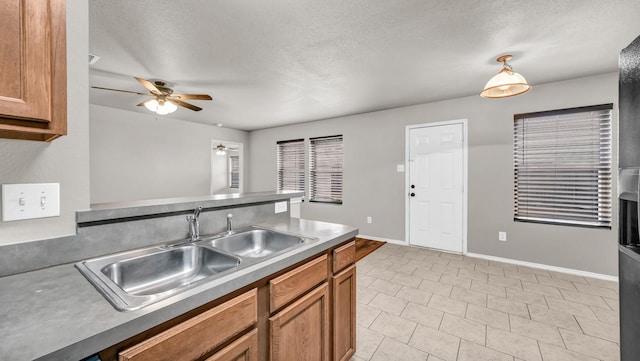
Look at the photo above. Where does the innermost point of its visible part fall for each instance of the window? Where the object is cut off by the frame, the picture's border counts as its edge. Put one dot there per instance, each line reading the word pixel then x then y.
pixel 291 165
pixel 234 172
pixel 562 166
pixel 325 169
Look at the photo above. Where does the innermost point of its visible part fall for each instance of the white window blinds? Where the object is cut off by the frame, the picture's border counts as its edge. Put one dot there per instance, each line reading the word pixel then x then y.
pixel 325 169
pixel 234 172
pixel 562 166
pixel 291 165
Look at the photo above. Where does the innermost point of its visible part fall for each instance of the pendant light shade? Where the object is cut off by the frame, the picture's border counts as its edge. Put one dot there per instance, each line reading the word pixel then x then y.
pixel 506 83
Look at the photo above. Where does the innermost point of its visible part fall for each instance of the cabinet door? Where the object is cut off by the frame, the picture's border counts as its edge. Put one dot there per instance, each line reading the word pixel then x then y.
pixel 33 83
pixel 243 349
pixel 344 314
pixel 301 331
pixel 25 59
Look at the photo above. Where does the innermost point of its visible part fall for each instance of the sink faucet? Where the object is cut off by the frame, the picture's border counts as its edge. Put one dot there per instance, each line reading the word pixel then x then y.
pixel 229 225
pixel 194 226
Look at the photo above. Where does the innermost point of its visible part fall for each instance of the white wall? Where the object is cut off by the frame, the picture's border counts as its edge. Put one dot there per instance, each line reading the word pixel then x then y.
pixel 374 145
pixel 137 156
pixel 220 174
pixel 66 159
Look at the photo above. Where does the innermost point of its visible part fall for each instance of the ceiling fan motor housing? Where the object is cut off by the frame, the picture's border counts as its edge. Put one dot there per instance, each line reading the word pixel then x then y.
pixel 163 87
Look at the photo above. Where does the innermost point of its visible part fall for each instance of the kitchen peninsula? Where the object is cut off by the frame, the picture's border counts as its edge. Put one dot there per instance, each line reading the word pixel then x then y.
pixel 54 313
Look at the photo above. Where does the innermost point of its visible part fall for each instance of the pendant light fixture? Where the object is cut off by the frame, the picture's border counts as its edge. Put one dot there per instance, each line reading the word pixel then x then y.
pixel 506 83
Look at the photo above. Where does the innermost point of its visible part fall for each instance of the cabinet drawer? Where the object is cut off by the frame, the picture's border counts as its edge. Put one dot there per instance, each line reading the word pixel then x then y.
pixel 294 283
pixel 344 256
pixel 195 337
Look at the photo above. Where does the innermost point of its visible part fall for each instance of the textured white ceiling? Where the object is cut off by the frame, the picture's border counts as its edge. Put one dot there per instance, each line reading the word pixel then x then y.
pixel 276 62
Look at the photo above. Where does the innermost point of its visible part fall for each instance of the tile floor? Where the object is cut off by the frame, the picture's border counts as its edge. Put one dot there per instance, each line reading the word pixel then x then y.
pixel 419 304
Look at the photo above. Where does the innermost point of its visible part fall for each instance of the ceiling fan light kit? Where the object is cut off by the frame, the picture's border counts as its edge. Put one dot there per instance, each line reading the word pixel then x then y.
pixel 161 107
pixel 506 83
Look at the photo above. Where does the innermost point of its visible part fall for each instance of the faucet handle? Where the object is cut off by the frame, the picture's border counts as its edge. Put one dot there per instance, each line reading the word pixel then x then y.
pixel 189 218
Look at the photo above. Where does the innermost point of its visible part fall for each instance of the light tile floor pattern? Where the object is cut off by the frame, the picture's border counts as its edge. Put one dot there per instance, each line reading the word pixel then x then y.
pixel 419 304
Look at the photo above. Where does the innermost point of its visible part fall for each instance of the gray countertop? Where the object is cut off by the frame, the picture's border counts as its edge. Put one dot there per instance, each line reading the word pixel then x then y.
pixel 117 210
pixel 56 314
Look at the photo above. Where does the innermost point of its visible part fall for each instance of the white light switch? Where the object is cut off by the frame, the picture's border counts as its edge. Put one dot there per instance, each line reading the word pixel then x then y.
pixel 400 168
pixel 28 201
pixel 281 207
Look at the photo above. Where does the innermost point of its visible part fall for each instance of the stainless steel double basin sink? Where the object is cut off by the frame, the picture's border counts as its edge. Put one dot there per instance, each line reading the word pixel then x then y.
pixel 134 279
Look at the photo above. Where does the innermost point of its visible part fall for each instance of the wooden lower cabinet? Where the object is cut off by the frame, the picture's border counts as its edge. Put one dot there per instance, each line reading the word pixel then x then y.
pixel 344 314
pixel 301 331
pixel 303 313
pixel 243 349
pixel 293 284
pixel 197 336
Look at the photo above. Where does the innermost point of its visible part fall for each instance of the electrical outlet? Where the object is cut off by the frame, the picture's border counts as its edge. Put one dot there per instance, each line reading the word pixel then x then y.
pixel 369 220
pixel 502 236
pixel 281 207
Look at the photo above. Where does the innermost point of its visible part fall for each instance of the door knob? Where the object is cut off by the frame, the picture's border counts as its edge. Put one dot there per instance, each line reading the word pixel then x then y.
pixel 412 194
pixel 413 186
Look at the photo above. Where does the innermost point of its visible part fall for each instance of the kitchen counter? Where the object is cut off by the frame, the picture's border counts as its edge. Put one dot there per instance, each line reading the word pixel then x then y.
pixel 56 314
pixel 103 212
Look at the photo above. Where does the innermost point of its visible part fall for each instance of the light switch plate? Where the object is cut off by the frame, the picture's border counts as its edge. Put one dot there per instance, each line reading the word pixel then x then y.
pixel 400 168
pixel 281 207
pixel 28 201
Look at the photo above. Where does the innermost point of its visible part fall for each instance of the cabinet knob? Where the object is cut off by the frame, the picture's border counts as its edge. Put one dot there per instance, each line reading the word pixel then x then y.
pixel 412 194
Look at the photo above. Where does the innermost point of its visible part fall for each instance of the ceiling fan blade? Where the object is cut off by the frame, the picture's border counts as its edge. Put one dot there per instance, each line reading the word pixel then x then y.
pixel 149 85
pixel 118 90
pixel 192 96
pixel 142 103
pixel 186 105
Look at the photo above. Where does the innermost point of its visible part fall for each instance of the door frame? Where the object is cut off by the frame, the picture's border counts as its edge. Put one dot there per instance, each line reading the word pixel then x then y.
pixel 465 176
pixel 214 143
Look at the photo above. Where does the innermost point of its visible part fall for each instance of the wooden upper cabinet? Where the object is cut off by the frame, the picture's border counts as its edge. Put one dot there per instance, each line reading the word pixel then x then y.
pixel 33 75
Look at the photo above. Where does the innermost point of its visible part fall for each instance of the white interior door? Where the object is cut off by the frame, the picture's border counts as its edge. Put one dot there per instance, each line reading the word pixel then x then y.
pixel 436 177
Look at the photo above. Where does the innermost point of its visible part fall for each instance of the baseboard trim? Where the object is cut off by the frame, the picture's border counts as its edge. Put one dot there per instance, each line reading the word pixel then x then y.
pixel 545 267
pixel 388 240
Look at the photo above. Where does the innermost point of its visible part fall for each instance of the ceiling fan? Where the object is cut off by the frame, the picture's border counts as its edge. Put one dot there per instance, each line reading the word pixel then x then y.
pixel 163 100
pixel 223 149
